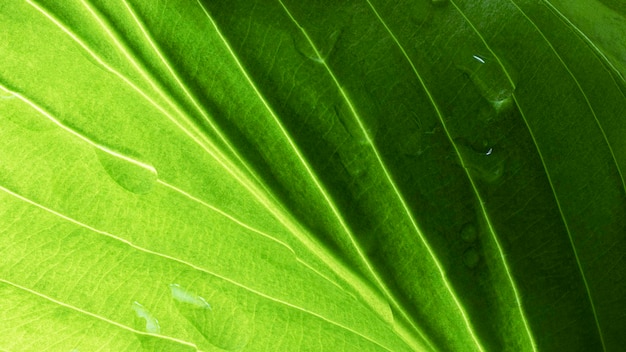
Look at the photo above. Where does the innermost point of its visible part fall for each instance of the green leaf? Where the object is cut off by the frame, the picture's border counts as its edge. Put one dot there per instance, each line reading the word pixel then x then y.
pixel 283 175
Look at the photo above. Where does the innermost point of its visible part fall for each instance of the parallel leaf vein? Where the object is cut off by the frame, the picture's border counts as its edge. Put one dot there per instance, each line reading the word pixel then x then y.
pixel 188 264
pixel 557 200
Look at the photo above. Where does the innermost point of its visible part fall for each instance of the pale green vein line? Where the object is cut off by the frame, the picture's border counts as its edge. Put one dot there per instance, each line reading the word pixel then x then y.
pixel 191 97
pixel 297 151
pixel 619 170
pixel 197 138
pixel 143 165
pixel 587 39
pixel 96 316
pixel 188 264
pixel 145 73
pixel 364 290
pixel 282 128
pixel 252 229
pixel 78 134
pixel 569 233
pixel 318 273
pixel 129 83
pixel 226 215
pixel 172 187
pixel 474 188
pixel 545 167
pixel 379 281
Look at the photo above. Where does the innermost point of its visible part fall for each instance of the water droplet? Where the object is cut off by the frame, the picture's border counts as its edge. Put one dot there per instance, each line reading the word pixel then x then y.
pixel 482 161
pixel 438 2
pixel 151 323
pixel 360 135
pixel 471 258
pixel 489 78
pixel 6 95
pixel 183 296
pixel 321 51
pixel 469 233
pixel 219 319
pixel 130 173
pixel 503 104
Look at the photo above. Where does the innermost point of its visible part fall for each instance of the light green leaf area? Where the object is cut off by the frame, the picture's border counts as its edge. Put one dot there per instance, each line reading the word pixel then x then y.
pixel 281 175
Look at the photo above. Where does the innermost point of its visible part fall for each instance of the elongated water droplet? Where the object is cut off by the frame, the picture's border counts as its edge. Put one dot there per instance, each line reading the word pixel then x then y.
pixel 484 163
pixel 321 51
pixel 151 323
pixel 221 321
pixel 489 78
pixel 469 233
pixel 361 135
pixel 471 258
pixel 504 104
pixel 6 96
pixel 130 173
pixel 182 296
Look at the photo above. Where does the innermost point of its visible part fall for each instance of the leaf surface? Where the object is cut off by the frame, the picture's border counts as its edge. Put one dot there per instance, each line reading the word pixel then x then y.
pixel 312 175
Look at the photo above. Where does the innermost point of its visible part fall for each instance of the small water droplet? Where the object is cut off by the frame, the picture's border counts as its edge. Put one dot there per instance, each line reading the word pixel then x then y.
pixel 361 135
pixel 321 51
pixel 471 258
pixel 183 296
pixel 130 173
pixel 7 96
pixel 219 319
pixel 503 104
pixel 482 161
pixel 469 233
pixel 151 323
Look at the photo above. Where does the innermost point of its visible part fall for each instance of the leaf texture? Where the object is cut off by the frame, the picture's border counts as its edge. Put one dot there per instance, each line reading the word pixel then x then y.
pixel 279 175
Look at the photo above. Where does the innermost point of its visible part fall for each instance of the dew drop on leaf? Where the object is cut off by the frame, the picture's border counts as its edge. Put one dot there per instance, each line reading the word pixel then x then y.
pixel 221 321
pixel 151 323
pixel 469 233
pixel 485 163
pixel 489 77
pixel 320 53
pixel 182 296
pixel 7 96
pixel 471 258
pixel 130 173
